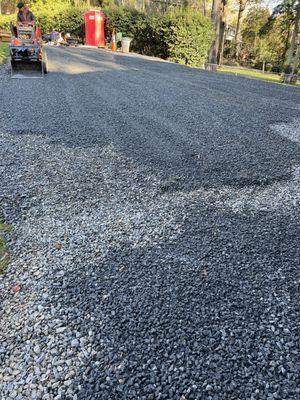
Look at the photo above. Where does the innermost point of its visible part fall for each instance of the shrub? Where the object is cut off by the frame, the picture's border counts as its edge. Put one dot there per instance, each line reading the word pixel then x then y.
pixel 69 20
pixel 5 21
pixel 149 37
pixel 122 19
pixel 183 36
pixel 269 67
pixel 188 35
pixel 288 69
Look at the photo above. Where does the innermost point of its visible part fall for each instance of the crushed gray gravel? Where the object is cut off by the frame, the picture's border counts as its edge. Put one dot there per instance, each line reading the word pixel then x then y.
pixel 155 251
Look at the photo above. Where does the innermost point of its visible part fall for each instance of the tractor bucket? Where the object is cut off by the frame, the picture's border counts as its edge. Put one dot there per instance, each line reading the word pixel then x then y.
pixel 27 69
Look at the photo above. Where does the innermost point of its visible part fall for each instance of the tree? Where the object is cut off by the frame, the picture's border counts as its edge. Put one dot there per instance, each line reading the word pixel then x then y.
pixel 296 60
pixel 242 6
pixel 287 12
pixel 217 17
pixel 250 46
pixel 222 32
pixel 294 44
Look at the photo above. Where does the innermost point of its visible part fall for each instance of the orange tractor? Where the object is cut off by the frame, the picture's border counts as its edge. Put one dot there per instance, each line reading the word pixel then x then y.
pixel 28 59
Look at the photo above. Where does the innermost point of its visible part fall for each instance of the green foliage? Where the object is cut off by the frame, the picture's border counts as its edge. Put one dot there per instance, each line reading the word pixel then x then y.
pixel 59 15
pixel 284 10
pixel 71 20
pixel 183 36
pixel 123 19
pixel 42 6
pixel 281 21
pixel 288 69
pixel 5 228
pixel 5 21
pixel 188 35
pixel 151 36
pixel 3 57
pixel 257 48
pixel 4 255
pixel 67 20
pixel 269 48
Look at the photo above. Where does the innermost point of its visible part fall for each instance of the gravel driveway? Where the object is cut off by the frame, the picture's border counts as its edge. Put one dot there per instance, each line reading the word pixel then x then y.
pixel 156 233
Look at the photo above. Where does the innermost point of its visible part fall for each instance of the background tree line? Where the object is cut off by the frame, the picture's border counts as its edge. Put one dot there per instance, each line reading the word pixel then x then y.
pixel 264 39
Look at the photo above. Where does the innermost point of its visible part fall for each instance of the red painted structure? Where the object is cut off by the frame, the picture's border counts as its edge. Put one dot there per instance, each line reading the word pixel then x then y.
pixel 94 28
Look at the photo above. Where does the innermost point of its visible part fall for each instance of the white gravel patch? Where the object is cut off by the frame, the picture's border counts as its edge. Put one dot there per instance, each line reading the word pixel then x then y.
pixel 290 131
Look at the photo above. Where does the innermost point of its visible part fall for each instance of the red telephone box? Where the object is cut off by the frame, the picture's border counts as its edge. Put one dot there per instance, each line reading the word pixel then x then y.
pixel 94 28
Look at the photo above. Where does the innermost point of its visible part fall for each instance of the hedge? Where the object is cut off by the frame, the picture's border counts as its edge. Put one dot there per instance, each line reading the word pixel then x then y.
pixel 5 21
pixel 69 19
pixel 183 36
pixel 188 35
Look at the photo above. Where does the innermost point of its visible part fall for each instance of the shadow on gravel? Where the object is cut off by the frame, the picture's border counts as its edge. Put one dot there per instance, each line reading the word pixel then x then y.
pixel 197 312
pixel 130 62
pixel 256 182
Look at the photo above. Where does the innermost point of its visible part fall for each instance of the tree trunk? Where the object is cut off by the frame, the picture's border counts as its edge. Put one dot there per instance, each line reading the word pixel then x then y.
pixel 286 46
pixel 214 49
pixel 238 22
pixel 222 31
pixel 238 25
pixel 294 37
pixel 296 60
pixel 290 75
pixel 204 7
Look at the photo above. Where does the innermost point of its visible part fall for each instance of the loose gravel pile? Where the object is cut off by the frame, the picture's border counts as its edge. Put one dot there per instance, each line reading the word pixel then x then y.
pixel 155 252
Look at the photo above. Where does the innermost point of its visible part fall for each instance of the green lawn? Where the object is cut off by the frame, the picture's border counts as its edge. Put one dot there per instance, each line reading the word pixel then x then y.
pixel 3 52
pixel 252 74
pixel 4 255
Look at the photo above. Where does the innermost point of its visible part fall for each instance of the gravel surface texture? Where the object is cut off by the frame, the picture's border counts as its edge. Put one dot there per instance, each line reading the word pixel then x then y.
pixel 155 251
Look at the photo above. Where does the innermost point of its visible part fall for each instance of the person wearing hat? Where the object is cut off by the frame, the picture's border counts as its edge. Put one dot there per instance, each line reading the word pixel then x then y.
pixel 24 14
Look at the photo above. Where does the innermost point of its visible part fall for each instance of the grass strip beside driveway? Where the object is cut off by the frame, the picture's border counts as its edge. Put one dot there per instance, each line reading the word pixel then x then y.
pixel 4 51
pixel 252 74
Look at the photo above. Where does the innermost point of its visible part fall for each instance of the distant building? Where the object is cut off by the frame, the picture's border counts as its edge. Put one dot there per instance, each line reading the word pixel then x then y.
pixel 229 33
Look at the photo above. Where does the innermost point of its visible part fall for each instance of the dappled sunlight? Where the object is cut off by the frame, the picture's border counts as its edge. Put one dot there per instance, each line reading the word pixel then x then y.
pixel 80 63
